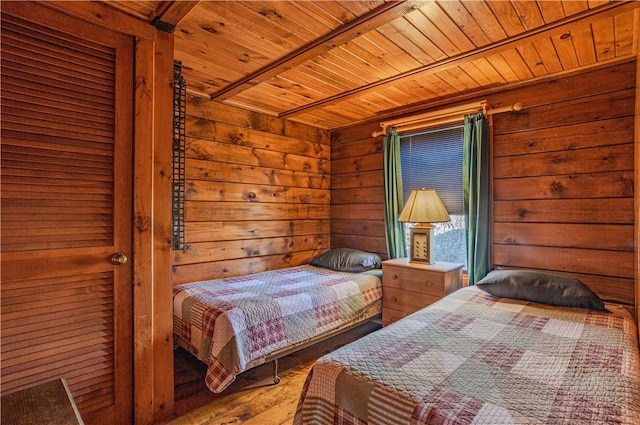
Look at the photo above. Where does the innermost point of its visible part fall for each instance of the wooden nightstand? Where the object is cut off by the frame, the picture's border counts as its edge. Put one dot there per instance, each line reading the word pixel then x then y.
pixel 408 287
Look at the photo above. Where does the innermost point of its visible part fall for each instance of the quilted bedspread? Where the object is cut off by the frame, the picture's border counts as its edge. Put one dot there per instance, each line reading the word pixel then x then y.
pixel 473 358
pixel 228 323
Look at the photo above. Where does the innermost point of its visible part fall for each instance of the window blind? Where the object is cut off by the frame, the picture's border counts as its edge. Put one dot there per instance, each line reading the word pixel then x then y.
pixel 433 159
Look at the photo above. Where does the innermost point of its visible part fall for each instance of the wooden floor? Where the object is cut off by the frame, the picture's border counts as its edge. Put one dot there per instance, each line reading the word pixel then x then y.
pixel 240 404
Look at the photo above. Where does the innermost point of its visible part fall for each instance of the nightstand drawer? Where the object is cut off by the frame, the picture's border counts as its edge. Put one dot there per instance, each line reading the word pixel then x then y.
pixel 406 301
pixel 431 283
pixel 390 315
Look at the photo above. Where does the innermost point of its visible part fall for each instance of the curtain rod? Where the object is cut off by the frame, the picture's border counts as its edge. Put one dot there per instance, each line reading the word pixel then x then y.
pixel 443 117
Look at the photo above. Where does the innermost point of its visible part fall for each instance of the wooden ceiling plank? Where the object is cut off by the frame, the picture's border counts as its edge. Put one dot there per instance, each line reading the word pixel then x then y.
pixel 607 11
pixel 447 27
pixel 552 11
pixel 458 13
pixel 503 67
pixel 375 57
pixel 584 46
pixel 489 70
pixel 423 91
pixel 342 34
pixel 572 7
pixel 300 87
pixel 533 60
pixel 508 17
pixel 544 48
pixel 285 20
pixel 313 70
pixel 348 75
pixel 374 41
pixel 485 18
pixel 409 28
pixel 249 29
pixel 226 27
pixel 566 51
pixel 395 36
pixel 517 64
pixel 364 62
pixel 529 14
pixel 356 8
pixel 458 77
pixel 401 95
pixel 310 81
pixel 331 16
pixel 225 53
pixel 441 88
pixel 624 36
pixel 478 76
pixel 603 36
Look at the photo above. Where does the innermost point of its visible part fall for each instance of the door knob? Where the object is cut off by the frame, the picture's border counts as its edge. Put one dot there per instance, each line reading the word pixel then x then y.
pixel 119 258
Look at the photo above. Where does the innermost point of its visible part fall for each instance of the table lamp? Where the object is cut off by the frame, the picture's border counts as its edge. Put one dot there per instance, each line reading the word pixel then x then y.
pixel 423 207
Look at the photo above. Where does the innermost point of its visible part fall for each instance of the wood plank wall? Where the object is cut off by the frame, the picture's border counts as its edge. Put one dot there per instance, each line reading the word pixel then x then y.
pixel 563 171
pixel 357 210
pixel 257 193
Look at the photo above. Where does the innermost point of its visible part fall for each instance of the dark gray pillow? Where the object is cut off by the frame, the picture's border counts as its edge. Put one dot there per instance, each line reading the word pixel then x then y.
pixel 347 260
pixel 540 287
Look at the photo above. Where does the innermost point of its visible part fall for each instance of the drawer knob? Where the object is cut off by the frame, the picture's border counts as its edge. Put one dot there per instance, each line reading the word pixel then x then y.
pixel 394 299
pixel 394 277
pixel 429 283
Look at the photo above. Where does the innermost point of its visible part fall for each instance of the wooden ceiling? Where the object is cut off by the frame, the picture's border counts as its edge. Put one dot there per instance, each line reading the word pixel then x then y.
pixel 331 64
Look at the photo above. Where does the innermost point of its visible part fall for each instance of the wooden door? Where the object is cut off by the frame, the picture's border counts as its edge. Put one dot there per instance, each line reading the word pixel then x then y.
pixel 66 176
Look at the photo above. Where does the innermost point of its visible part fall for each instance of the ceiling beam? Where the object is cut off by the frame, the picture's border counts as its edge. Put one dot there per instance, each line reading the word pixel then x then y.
pixel 607 10
pixel 169 14
pixel 343 34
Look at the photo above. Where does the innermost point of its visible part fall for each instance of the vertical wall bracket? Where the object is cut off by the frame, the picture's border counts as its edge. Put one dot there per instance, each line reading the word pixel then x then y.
pixel 178 172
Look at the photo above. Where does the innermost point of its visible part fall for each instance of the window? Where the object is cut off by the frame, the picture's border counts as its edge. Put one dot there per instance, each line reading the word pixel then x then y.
pixel 433 159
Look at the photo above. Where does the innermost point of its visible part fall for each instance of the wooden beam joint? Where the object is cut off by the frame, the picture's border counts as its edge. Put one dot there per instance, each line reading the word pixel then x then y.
pixel 162 25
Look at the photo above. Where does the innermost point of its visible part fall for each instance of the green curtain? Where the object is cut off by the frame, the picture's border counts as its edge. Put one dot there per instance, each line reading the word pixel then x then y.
pixel 393 195
pixel 477 203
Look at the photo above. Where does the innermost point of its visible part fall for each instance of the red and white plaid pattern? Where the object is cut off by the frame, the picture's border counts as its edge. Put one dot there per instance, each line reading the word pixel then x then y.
pixel 265 335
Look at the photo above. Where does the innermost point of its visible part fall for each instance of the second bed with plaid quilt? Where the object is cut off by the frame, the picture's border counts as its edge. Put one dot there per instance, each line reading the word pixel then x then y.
pixel 473 358
pixel 229 323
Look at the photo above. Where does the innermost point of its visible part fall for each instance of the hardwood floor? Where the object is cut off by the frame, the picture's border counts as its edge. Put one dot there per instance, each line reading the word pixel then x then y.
pixel 250 400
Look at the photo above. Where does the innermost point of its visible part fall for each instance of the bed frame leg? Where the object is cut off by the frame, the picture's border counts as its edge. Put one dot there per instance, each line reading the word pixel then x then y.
pixel 276 378
pixel 265 382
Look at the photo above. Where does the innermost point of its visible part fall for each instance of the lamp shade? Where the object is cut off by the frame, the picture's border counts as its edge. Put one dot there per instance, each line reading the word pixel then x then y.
pixel 424 206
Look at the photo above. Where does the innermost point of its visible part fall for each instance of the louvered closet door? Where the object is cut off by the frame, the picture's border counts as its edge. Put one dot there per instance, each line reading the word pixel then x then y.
pixel 66 119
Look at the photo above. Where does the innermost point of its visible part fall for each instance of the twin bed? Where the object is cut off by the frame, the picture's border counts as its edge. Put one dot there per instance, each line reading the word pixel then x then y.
pixel 234 324
pixel 516 349
pixel 477 358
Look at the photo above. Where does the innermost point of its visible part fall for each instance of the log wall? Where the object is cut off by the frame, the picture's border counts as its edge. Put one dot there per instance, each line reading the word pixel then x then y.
pixel 562 181
pixel 257 193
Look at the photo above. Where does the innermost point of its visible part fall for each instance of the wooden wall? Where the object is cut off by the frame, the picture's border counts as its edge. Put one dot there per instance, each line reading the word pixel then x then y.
pixel 357 210
pixel 562 180
pixel 257 193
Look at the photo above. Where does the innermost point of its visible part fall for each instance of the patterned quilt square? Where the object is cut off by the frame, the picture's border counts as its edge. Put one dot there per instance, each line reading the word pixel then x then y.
pixel 446 406
pixel 265 334
pixel 574 408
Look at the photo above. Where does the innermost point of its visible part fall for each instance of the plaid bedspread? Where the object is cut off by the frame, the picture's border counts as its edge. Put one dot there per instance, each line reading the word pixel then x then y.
pixel 472 358
pixel 228 323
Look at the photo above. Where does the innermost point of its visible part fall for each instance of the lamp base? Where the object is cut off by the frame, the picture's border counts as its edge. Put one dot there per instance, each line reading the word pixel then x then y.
pixel 422 244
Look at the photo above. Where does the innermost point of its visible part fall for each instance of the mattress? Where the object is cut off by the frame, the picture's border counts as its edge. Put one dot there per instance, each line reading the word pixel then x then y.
pixel 232 324
pixel 473 358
